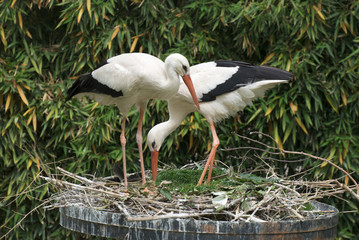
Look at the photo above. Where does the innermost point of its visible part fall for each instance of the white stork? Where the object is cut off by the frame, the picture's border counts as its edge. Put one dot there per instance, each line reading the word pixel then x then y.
pixel 223 88
pixel 134 78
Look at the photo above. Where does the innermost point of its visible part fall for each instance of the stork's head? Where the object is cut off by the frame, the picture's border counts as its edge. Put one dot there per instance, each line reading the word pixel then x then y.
pixel 180 65
pixel 155 139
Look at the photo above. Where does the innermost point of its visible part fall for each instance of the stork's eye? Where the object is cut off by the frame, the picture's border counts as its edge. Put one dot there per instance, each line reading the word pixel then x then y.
pixel 153 144
pixel 184 68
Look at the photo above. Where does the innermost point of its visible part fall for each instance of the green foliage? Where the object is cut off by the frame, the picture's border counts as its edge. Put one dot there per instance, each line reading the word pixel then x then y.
pixel 185 180
pixel 46 44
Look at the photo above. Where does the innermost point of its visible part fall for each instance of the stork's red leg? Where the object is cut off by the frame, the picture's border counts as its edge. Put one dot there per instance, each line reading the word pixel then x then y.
pixel 212 154
pixel 139 144
pixel 123 144
pixel 214 148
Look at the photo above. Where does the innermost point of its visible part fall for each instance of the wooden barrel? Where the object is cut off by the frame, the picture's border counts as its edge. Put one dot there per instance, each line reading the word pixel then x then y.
pixel 114 225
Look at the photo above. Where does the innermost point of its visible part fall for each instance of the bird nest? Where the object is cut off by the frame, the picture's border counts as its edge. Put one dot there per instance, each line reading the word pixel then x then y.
pixel 248 198
pixel 230 196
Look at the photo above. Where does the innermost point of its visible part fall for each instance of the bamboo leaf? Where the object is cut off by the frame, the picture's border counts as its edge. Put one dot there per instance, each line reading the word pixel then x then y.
pixel 8 100
pixel 22 94
pixel 28 111
pixel 89 129
pixel 301 125
pixel 269 110
pixel 115 31
pixel 29 163
pixel 29 119
pixel 50 114
pixel 37 160
pixel 324 164
pixel 34 121
pixel 191 140
pixel 331 102
pixel 25 86
pixel 94 148
pixel 288 65
pixel 276 137
pixel 3 37
pixel 79 16
pixel 288 131
pixel 255 115
pixel 341 159
pixel 28 33
pixel 133 46
pixel 344 99
pixel 88 5
pixel 34 64
pixel 346 180
pixel 269 57
pixel 13 3
pixel 331 155
pixel 293 107
pixel 319 12
pixel 20 19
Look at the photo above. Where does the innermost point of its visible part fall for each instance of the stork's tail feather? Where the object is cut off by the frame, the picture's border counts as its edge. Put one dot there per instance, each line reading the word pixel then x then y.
pixel 76 88
pixel 272 73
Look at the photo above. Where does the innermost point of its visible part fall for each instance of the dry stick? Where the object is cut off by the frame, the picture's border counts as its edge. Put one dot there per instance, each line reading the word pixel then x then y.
pixel 151 201
pixel 331 163
pixel 270 168
pixel 76 186
pixel 265 199
pixel 291 209
pixel 288 188
pixel 348 189
pixel 123 209
pixel 305 154
pixel 139 205
pixel 22 219
pixel 74 176
pixel 88 200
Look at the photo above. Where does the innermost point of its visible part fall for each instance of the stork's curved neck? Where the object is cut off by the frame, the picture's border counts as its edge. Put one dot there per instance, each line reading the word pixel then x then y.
pixel 162 130
pixel 166 128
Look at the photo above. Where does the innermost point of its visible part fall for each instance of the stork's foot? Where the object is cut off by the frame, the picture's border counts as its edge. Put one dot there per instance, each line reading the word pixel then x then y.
pixel 148 191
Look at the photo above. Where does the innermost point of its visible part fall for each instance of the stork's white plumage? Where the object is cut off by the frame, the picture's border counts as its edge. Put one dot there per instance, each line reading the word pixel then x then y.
pixel 223 88
pixel 134 78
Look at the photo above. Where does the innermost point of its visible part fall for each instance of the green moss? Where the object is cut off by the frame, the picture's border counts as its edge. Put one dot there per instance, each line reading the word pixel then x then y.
pixel 185 181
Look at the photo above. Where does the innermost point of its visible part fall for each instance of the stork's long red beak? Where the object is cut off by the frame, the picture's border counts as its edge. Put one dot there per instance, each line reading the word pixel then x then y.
pixel 188 81
pixel 154 163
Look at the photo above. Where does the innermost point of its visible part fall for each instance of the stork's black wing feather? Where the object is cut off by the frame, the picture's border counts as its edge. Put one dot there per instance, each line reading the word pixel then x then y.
pixel 246 74
pixel 88 84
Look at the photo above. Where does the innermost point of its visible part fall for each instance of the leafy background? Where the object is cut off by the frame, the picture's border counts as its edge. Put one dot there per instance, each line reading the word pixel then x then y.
pixel 46 44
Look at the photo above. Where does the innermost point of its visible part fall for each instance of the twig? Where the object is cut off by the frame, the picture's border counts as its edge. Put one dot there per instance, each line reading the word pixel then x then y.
pixel 22 219
pixel 300 153
pixel 356 196
pixel 74 176
pixel 123 209
pixel 258 205
pixel 75 186
pixel 288 188
pixel 292 210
